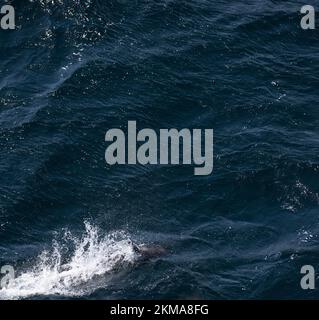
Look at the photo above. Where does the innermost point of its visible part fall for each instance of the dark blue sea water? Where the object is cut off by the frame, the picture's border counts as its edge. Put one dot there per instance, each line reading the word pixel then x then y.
pixel 74 69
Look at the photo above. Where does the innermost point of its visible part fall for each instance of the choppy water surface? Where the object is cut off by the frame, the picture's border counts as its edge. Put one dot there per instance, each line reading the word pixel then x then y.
pixel 74 69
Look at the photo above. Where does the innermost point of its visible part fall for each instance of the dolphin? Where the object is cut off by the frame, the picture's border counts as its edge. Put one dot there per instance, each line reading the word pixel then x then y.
pixel 147 252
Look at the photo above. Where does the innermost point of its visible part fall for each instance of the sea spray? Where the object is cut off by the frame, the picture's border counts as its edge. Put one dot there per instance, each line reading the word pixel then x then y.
pixel 56 274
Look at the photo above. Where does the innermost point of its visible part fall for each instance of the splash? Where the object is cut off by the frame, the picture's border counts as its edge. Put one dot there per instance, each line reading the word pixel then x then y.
pixel 56 273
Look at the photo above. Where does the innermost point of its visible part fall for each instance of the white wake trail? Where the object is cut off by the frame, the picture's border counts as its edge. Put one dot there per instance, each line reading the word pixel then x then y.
pixel 93 255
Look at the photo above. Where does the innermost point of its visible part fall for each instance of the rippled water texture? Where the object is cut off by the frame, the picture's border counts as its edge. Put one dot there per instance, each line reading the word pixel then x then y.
pixel 74 69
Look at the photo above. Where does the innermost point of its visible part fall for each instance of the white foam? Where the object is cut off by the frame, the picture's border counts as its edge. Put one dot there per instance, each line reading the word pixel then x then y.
pixel 93 255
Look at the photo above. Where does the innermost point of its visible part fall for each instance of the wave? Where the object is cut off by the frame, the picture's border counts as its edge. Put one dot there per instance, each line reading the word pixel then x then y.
pixel 57 272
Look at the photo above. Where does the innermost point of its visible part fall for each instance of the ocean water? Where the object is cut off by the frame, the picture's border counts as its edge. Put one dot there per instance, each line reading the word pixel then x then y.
pixel 74 69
